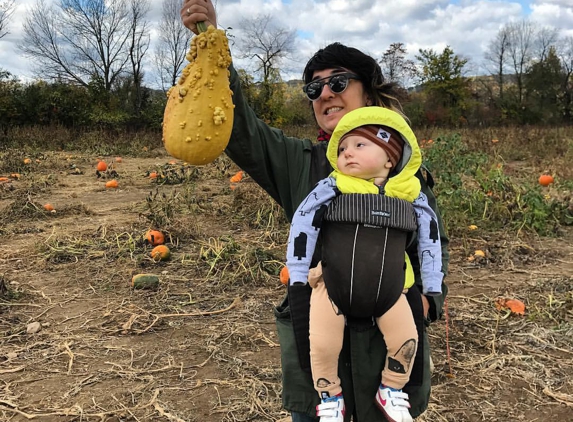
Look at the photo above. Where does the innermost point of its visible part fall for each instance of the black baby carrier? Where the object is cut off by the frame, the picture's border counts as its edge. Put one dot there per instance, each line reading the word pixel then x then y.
pixel 363 245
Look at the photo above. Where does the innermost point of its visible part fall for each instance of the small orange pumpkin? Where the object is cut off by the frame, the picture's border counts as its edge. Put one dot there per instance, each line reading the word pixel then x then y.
pixel 153 175
pixel 546 179
pixel 101 166
pixel 118 159
pixel 27 161
pixel 49 207
pixel 284 275
pixel 154 237
pixel 160 253
pixel 4 179
pixel 237 177
pixel 112 184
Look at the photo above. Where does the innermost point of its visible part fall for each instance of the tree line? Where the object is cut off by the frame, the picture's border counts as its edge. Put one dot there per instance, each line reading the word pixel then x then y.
pixel 92 59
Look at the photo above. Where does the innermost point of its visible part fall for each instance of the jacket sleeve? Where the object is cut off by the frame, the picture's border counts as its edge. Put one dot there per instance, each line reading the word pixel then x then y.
pixel 436 302
pixel 278 163
pixel 305 228
pixel 429 247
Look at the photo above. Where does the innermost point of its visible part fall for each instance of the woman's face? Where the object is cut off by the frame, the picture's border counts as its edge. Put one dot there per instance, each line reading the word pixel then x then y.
pixel 330 107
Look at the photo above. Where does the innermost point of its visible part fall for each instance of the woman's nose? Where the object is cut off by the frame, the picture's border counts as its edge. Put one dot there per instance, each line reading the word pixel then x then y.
pixel 326 92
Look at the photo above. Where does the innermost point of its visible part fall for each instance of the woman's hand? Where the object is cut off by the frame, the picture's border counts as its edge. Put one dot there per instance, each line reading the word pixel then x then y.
pixel 194 11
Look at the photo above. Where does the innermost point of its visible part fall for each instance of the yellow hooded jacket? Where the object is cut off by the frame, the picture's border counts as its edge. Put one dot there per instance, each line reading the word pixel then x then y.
pixel 403 184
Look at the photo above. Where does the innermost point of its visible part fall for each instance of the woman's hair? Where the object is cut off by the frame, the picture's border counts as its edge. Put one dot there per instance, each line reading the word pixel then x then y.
pixel 383 94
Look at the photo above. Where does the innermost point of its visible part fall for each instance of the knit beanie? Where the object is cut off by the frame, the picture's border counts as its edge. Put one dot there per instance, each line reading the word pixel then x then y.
pixel 387 138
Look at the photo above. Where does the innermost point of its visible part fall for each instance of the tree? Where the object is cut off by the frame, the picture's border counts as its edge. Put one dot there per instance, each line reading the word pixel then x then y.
pixel 543 87
pixel 497 55
pixel 266 45
pixel 6 10
pixel 172 44
pixel 444 82
pixel 520 48
pixel 395 66
pixel 138 45
pixel 79 40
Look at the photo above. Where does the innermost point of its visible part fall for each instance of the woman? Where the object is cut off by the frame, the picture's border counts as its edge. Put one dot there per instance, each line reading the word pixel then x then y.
pixel 287 168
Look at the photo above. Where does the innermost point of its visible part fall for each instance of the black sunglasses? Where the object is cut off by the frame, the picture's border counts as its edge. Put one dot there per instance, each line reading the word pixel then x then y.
pixel 337 84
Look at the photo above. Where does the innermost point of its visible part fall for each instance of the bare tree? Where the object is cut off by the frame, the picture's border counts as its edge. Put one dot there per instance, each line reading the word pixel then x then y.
pixel 565 54
pixel 172 44
pixel 497 55
pixel 265 44
pixel 79 40
pixel 521 47
pixel 6 10
pixel 138 45
pixel 545 38
pixel 395 66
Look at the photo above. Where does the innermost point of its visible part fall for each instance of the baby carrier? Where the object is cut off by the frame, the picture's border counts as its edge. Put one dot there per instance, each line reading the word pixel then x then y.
pixel 364 238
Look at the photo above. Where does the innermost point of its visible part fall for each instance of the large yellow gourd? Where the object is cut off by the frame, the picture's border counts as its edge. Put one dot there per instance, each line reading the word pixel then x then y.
pixel 198 116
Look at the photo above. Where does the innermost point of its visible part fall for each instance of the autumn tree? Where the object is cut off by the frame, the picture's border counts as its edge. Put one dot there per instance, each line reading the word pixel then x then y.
pixel 266 45
pixel 6 10
pixel 81 41
pixel 442 77
pixel 172 44
pixel 395 66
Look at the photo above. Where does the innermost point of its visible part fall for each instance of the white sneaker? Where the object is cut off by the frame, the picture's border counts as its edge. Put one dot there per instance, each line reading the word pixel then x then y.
pixel 331 409
pixel 394 404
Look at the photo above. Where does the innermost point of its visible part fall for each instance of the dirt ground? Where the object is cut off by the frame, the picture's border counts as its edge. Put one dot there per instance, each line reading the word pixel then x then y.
pixel 203 347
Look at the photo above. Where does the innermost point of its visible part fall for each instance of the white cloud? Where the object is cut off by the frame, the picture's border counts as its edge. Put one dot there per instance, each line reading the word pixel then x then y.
pixel 467 26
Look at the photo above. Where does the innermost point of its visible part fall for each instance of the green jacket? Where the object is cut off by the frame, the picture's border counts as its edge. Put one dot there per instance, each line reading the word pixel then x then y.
pixel 286 168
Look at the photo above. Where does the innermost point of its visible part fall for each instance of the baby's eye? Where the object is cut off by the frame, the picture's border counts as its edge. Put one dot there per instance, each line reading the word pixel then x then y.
pixel 341 149
pixel 360 144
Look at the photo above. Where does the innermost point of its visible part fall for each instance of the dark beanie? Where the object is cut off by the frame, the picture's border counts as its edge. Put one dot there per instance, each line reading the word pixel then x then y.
pixel 385 137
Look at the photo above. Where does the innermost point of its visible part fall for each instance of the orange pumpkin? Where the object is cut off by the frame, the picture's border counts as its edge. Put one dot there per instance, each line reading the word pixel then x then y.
pixel 284 276
pixel 153 175
pixel 237 177
pixel 546 179
pixel 48 207
pixel 4 179
pixel 27 161
pixel 118 159
pixel 112 184
pixel 160 253
pixel 154 237
pixel 101 166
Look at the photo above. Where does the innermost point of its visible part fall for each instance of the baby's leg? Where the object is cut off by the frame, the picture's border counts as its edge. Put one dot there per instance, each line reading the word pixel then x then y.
pixel 401 337
pixel 326 335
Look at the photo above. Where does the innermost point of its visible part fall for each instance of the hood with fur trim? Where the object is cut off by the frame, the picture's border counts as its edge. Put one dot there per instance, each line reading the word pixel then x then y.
pixel 403 183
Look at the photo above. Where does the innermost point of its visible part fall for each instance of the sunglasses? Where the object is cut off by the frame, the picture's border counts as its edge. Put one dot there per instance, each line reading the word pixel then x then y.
pixel 337 84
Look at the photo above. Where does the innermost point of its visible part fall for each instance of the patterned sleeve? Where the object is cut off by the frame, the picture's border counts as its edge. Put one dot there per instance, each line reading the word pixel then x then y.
pixel 429 247
pixel 305 228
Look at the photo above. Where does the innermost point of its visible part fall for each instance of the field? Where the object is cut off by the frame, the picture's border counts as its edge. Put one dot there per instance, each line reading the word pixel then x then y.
pixel 77 343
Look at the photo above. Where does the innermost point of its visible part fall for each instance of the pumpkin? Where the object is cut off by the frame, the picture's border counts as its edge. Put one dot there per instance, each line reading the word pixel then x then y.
pixel 145 281
pixel 198 116
pixel 112 184
pixel 101 166
pixel 48 207
pixel 237 177
pixel 118 159
pixel 160 253
pixel 153 175
pixel 154 237
pixel 27 161
pixel 546 179
pixel 284 275
pixel 4 179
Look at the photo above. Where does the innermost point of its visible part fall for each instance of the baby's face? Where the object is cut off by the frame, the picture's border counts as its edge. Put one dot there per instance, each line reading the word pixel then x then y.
pixel 360 157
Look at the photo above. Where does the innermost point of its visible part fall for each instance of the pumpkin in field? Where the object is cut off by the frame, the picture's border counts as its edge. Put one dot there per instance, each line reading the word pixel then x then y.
pixel 145 281
pixel 27 161
pixel 160 253
pixel 154 237
pixel 49 207
pixel 112 184
pixel 546 179
pixel 101 166
pixel 284 276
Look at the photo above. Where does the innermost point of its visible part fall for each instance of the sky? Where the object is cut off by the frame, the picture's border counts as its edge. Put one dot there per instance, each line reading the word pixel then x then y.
pixel 467 26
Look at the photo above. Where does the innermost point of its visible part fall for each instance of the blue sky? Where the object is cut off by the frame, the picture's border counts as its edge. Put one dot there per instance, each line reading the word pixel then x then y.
pixel 467 26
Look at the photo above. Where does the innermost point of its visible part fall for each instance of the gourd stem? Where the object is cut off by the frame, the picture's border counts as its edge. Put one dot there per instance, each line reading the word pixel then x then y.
pixel 201 27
